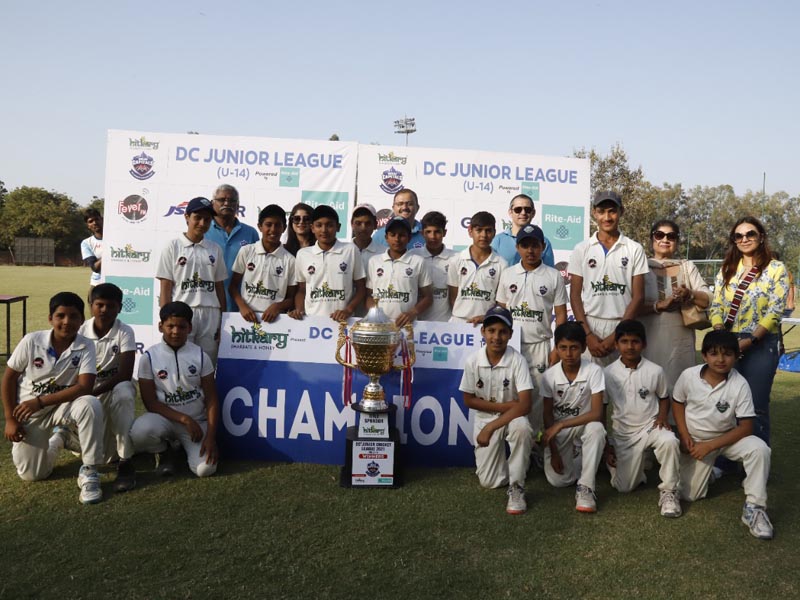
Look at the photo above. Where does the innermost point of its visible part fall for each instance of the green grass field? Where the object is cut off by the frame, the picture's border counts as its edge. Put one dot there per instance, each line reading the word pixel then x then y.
pixel 269 530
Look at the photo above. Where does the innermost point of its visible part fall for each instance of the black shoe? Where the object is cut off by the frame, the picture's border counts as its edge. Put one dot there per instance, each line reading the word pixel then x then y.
pixel 126 476
pixel 165 462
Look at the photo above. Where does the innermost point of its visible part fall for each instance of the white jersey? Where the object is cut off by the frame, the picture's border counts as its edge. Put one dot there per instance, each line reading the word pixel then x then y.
pixel 501 383
pixel 438 266
pixel 265 275
pixel 607 277
pixel 477 284
pixel 374 249
pixel 120 338
pixel 531 296
pixel 41 372
pixel 177 375
pixel 395 283
pixel 194 270
pixel 92 246
pixel 634 395
pixel 329 276
pixel 572 398
pixel 712 411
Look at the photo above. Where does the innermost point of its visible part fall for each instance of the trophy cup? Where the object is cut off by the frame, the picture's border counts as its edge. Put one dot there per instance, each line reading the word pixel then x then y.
pixel 372 446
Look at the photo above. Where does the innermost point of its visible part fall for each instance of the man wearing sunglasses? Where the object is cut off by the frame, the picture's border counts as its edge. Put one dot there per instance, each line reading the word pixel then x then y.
pixel 229 233
pixel 521 211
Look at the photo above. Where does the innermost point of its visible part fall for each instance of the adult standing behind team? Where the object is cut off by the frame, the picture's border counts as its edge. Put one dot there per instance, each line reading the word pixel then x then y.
pixel 229 233
pixel 406 205
pixel 521 211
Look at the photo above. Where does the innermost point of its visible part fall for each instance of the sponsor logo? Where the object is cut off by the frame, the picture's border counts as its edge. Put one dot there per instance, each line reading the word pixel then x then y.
pixel 177 209
pixel 142 167
pixel 722 406
pixel 562 232
pixel 38 362
pixel 607 286
pixel 440 293
pixel 440 354
pixel 392 181
pixel 524 312
pixel 195 283
pixel 259 290
pixel 256 335
pixel 326 293
pixel 473 291
pixel 133 208
pixel 129 254
pixel 181 396
pixel 143 142
pixel 162 374
pixel 391 159
pixel 46 387
pixel 106 373
pixel 392 294
pixel 566 411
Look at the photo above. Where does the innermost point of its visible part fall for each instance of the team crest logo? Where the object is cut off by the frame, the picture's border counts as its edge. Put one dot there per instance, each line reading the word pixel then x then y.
pixel 76 361
pixel 409 271
pixel 506 383
pixel 182 261
pixel 543 290
pixel 592 263
pixel 560 393
pixel 722 406
pixel 279 270
pixel 192 369
pixel 463 270
pixel 392 181
pixel 114 349
pixel 373 469
pixel 251 266
pixel 38 362
pixel 142 167
pixel 492 272
pixel 643 393
pixel 343 267
pixel 512 288
pixel 162 374
pixel 624 261
pixel 311 269
pixel 479 384
pixel 379 272
pixel 212 258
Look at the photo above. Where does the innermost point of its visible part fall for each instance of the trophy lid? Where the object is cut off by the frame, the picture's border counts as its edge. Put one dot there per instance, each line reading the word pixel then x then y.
pixel 376 315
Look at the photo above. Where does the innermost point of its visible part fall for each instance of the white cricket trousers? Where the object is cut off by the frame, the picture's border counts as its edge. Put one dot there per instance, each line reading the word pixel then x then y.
pixel 602 328
pixel 205 327
pixel 581 449
pixel 492 467
pixel 34 457
pixel 151 432
pixel 752 452
pixel 630 451
pixel 119 407
pixel 538 357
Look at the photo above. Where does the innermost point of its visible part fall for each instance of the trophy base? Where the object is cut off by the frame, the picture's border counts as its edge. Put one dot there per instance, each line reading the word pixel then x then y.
pixel 372 452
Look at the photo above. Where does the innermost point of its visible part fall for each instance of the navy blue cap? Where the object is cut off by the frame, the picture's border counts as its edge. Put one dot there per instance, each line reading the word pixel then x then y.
pixel 500 314
pixel 199 203
pixel 606 196
pixel 395 221
pixel 530 231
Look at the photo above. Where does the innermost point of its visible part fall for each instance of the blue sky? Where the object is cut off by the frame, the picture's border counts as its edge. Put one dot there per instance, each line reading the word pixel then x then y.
pixel 701 93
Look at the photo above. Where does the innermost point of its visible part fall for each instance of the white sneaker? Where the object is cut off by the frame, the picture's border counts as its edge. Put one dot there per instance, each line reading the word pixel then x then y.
pixel 756 519
pixel 89 483
pixel 70 439
pixel 669 503
pixel 585 500
pixel 516 500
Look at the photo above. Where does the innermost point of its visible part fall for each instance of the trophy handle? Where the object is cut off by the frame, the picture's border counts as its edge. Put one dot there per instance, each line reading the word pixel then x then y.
pixel 340 343
pixel 412 355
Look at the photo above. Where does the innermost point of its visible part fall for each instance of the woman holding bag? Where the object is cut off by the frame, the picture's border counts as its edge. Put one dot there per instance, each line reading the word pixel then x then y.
pixel 749 298
pixel 675 297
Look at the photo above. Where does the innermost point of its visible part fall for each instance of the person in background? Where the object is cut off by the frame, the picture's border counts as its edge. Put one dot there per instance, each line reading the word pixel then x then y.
pixel 521 212
pixel 299 235
pixel 92 247
pixel 406 205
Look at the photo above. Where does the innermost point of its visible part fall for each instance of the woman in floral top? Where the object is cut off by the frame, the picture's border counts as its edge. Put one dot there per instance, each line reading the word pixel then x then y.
pixel 757 319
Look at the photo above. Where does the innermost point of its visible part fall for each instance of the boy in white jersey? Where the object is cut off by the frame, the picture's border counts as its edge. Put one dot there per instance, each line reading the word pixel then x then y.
pixel 176 380
pixel 636 389
pixel 474 273
pixel 572 392
pixel 437 257
pixel 363 222
pixel 263 283
pixel 48 381
pixel 115 346
pixel 497 386
pixel 607 278
pixel 330 274
pixel 192 270
pixel 713 410
pixel 399 281
pixel 532 291
pixel 92 247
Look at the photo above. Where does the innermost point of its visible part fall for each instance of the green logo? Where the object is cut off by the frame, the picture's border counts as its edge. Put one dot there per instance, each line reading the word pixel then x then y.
pixel 530 188
pixel 563 225
pixel 440 354
pixel 290 177
pixel 137 299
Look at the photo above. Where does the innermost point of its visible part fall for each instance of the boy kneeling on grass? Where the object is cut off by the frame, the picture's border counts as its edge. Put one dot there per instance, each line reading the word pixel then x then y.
pixel 497 385
pixel 48 381
pixel 176 380
pixel 713 409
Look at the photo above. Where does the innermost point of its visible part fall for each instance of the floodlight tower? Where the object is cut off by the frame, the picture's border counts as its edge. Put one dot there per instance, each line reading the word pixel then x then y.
pixel 405 125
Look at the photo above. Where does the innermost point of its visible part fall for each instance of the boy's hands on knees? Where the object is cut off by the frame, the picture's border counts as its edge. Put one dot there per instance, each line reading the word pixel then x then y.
pixel 556 462
pixel 195 431
pixel 209 449
pixel 700 450
pixel 660 423
pixel 14 431
pixel 610 455
pixel 485 436
pixel 25 410
pixel 687 443
pixel 550 433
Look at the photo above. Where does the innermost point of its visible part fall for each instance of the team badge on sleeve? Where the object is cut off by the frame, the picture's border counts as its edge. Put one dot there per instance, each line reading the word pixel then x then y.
pixel 592 263
pixel 182 260
pixel 463 270
pixel 379 272
pixel 251 266
pixel 512 288
pixel 311 269
pixel 38 362
pixel 162 374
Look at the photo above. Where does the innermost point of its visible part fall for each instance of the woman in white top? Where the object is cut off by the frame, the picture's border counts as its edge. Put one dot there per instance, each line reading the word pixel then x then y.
pixel 670 284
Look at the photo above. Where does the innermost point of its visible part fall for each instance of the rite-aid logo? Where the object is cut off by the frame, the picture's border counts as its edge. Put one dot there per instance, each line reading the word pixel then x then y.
pixel 142 166
pixel 133 208
pixel 392 181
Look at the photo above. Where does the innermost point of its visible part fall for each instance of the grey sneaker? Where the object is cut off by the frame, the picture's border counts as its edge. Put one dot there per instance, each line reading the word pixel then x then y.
pixel 71 440
pixel 585 500
pixel 165 462
pixel 516 500
pixel 670 504
pixel 756 519
pixel 89 483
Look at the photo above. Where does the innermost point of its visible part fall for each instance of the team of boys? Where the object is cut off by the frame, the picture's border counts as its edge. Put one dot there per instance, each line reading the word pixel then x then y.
pixel 75 380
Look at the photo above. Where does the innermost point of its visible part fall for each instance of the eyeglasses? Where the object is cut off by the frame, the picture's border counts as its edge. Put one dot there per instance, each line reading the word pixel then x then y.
pixel 520 209
pixel 226 200
pixel 660 235
pixel 750 235
pixel 299 219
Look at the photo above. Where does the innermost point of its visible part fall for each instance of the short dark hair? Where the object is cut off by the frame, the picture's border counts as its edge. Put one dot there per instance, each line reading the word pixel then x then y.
pixel 434 219
pixel 482 219
pixel 69 299
pixel 407 191
pixel 176 309
pixel 91 213
pixel 571 331
pixel 323 211
pixel 272 210
pixel 525 196
pixel 630 327
pixel 106 291
pixel 720 339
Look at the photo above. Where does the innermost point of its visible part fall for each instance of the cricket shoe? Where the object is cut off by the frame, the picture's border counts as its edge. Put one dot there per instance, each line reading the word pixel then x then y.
pixel 585 500
pixel 756 519
pixel 670 504
pixel 89 483
pixel 516 500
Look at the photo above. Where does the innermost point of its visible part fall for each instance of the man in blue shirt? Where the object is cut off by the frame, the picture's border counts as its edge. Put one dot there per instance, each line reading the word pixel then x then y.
pixel 521 211
pixel 228 232
pixel 405 205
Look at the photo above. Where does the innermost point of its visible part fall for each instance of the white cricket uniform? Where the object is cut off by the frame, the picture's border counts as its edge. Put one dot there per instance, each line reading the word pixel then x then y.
pixel 580 448
pixel 634 398
pixel 194 269
pixel 711 412
pixel 501 383
pixel 177 376
pixel 329 276
pixel 119 402
pixel 265 275
pixel 92 246
pixel 42 373
pixel 396 282
pixel 607 283
pixel 438 266
pixel 477 284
